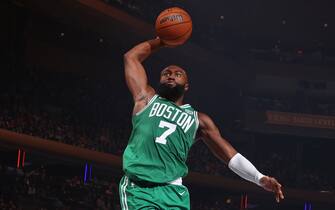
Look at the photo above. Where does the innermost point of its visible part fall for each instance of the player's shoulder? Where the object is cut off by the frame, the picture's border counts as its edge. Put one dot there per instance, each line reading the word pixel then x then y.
pixel 141 105
pixel 203 115
pixel 152 98
pixel 187 107
pixel 205 120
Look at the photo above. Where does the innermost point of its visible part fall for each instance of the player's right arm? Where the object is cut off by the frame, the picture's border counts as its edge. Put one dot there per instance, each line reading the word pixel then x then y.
pixel 222 149
pixel 135 74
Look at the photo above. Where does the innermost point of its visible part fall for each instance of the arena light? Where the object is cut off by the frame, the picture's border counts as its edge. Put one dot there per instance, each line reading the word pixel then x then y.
pixel 90 178
pixel 308 206
pixel 18 158
pixel 85 174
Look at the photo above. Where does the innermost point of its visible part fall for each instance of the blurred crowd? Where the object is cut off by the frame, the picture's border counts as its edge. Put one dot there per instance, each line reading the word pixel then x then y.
pixel 40 187
pixel 298 104
pixel 37 187
pixel 41 124
pixel 69 109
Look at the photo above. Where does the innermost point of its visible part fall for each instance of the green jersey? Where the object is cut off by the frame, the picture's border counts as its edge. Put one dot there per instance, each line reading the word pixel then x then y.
pixel 162 135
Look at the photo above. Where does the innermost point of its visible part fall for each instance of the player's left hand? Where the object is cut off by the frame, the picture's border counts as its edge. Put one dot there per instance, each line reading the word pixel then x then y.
pixel 272 185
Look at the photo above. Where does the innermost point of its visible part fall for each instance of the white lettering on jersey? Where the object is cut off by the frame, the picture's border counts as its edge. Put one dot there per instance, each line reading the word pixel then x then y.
pixel 153 109
pixel 182 119
pixel 161 110
pixel 168 113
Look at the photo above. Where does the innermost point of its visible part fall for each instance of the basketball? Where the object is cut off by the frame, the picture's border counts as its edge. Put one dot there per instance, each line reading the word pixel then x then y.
pixel 174 26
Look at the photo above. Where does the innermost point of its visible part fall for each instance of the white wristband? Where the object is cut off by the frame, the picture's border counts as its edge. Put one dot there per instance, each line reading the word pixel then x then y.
pixel 244 168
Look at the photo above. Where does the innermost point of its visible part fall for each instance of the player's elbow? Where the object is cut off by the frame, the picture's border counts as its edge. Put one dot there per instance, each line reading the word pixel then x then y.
pixel 128 56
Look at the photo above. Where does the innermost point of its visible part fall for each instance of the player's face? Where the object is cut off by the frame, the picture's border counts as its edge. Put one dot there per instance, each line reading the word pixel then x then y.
pixel 174 75
pixel 173 83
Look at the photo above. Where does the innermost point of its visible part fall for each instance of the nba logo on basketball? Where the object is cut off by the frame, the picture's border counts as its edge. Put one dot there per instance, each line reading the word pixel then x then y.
pixel 172 18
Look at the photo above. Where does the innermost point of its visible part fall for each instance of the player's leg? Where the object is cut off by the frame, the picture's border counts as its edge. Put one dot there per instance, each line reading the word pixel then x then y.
pixel 133 197
pixel 173 197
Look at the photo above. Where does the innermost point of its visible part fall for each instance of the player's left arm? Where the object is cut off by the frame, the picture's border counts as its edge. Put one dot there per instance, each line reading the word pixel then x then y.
pixel 223 150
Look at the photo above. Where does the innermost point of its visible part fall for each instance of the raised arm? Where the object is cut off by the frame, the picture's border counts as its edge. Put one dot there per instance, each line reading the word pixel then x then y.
pixel 223 150
pixel 135 74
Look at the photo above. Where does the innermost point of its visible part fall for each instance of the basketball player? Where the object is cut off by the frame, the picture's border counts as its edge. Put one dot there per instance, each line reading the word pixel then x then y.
pixel 164 130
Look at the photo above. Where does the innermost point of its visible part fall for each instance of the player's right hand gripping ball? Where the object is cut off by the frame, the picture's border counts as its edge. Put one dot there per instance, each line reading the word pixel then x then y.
pixel 174 26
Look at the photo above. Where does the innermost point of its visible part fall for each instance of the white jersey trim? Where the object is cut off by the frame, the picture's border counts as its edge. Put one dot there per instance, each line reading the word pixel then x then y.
pixel 178 181
pixel 146 106
pixel 185 106
pixel 124 185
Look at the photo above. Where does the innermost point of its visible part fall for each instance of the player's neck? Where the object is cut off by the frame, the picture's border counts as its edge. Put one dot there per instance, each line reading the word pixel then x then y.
pixel 179 101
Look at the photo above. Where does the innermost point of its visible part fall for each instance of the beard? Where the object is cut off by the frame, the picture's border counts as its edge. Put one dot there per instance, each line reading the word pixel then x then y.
pixel 170 93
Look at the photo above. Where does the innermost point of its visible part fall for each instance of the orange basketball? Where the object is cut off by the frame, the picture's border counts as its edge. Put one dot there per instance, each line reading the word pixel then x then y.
pixel 174 26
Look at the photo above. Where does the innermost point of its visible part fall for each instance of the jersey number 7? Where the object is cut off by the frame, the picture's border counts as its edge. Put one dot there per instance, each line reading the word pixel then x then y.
pixel 170 129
